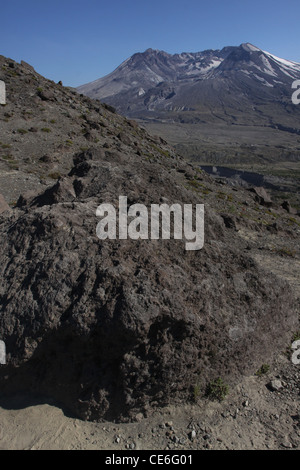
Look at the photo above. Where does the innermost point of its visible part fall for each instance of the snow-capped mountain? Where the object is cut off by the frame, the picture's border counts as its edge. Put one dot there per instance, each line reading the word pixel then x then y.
pixel 241 86
pixel 146 70
pixel 155 78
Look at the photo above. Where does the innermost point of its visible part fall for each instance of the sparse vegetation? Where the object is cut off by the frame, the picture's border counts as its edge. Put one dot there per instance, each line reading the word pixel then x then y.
pixel 292 221
pixel 194 184
pixel 55 175
pixel 7 157
pixel 196 392
pixel 164 153
pixel 263 370
pixel 285 251
pixel 296 336
pixel 217 390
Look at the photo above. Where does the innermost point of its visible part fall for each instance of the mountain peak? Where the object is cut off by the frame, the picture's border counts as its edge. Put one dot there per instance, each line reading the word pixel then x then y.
pixel 247 46
pixel 150 50
pixel 155 51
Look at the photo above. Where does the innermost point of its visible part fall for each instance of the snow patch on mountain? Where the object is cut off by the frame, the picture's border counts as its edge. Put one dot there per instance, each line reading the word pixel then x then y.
pixel 263 81
pixel 268 67
pixel 284 62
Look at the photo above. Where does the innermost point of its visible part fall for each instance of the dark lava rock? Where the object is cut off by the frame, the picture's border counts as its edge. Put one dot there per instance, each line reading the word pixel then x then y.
pixel 115 327
pixel 46 95
pixel 229 221
pixel 286 206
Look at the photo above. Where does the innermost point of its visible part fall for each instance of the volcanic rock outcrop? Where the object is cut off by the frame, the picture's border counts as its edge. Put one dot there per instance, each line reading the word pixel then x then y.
pixel 114 327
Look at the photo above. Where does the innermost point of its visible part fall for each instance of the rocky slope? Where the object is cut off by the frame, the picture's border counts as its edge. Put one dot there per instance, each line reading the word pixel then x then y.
pixel 116 328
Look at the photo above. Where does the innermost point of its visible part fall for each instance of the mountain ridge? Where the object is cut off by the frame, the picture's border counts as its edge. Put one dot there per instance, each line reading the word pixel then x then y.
pixel 202 63
pixel 186 97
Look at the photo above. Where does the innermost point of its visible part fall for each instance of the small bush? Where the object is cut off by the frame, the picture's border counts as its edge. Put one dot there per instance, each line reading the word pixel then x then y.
pixel 296 336
pixel 55 176
pixel 196 392
pixel 217 390
pixel 264 369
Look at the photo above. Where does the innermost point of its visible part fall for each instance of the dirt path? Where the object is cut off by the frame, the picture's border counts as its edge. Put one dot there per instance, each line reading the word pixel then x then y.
pixel 251 417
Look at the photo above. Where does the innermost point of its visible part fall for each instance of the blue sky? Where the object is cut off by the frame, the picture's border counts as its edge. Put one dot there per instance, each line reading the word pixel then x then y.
pixel 80 41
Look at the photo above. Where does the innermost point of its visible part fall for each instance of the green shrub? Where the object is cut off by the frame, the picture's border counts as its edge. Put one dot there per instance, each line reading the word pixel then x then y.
pixel 296 336
pixel 264 369
pixel 217 390
pixel 196 392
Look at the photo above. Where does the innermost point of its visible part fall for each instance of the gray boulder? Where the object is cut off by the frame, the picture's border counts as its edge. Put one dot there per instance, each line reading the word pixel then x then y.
pixel 113 328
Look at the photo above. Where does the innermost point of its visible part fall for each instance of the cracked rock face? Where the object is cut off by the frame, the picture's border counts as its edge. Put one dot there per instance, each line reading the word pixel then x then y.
pixel 115 327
